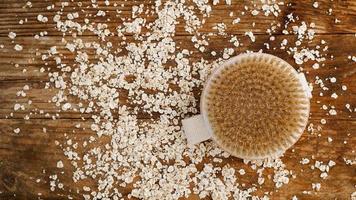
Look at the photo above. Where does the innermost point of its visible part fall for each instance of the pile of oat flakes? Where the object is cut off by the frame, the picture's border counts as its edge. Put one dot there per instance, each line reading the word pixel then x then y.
pixel 140 59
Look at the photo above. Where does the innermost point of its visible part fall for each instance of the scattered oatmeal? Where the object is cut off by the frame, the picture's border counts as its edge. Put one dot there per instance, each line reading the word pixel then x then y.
pixel 315 4
pixel 12 35
pixel 242 172
pixel 334 95
pixel 316 66
pixel 323 121
pixel 18 47
pixel 60 164
pixel 353 196
pixel 251 36
pixel 316 186
pixel 330 139
pixel 304 161
pixel 141 64
pixel 17 130
pixel 344 87
pixel 324 168
pixel 332 112
pixel 333 80
pixel 254 12
pixel 42 18
pixel 353 58
pixel 349 161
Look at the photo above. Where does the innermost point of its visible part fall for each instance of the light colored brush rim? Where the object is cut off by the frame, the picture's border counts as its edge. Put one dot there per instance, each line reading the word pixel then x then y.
pixel 237 59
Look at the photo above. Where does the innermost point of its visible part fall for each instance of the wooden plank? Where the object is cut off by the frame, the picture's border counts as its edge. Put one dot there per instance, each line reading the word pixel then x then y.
pixel 37 152
pixel 24 156
pixel 13 79
pixel 339 65
pixel 42 106
pixel 38 155
pixel 342 10
pixel 40 101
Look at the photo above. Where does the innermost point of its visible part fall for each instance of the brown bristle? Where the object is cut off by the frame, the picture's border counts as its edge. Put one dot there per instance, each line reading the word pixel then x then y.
pixel 257 108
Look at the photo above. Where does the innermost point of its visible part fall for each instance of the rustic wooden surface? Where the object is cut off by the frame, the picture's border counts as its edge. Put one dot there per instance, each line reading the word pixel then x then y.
pixel 32 155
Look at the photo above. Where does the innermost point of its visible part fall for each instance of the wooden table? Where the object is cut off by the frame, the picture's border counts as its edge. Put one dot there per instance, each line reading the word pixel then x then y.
pixel 32 155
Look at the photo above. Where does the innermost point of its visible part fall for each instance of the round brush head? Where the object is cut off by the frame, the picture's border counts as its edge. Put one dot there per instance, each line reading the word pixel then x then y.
pixel 256 106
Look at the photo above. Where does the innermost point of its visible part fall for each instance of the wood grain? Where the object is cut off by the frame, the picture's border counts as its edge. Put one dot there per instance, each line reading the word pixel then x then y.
pixel 342 10
pixel 23 157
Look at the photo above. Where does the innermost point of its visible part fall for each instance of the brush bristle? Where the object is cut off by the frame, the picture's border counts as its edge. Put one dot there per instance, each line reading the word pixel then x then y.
pixel 257 107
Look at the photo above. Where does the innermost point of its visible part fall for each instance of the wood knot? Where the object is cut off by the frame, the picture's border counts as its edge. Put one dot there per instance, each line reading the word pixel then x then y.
pixel 9 181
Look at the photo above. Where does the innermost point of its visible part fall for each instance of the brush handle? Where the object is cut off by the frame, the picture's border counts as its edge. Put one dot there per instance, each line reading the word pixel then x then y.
pixel 195 130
